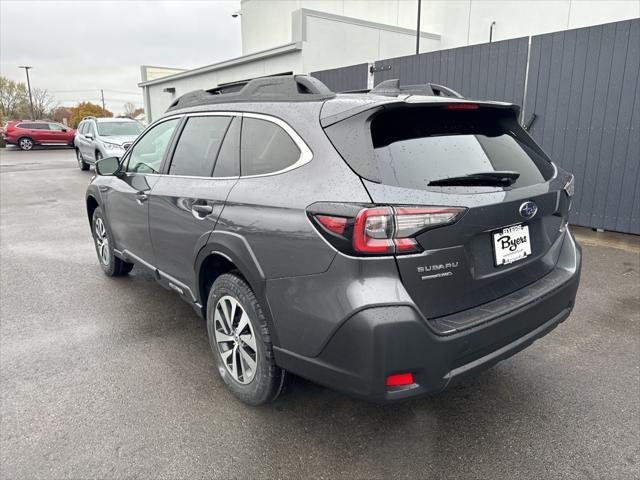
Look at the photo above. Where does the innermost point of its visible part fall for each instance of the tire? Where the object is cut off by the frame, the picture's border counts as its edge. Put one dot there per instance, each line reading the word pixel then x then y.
pixel 111 265
pixel 81 163
pixel 25 143
pixel 247 338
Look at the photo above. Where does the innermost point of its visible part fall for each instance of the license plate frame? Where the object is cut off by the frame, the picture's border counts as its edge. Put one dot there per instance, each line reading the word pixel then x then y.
pixel 514 233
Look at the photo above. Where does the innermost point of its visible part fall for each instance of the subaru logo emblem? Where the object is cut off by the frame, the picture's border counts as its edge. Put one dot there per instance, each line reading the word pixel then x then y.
pixel 528 210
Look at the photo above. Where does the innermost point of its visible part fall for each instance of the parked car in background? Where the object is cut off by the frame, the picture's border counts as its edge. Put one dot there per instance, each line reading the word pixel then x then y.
pixel 98 138
pixel 384 243
pixel 28 133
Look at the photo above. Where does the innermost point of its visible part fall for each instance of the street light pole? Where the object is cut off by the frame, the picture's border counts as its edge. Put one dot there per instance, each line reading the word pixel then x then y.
pixel 418 29
pixel 26 69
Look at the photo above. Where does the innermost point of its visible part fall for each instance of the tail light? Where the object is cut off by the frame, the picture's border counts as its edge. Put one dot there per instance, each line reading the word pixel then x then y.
pixel 381 230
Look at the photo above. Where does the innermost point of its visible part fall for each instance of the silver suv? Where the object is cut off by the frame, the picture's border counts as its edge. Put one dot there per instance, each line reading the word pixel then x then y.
pixel 98 138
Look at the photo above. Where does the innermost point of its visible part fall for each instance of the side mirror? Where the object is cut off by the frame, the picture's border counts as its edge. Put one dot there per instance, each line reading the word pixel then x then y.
pixel 108 166
pixel 89 135
pixel 65 130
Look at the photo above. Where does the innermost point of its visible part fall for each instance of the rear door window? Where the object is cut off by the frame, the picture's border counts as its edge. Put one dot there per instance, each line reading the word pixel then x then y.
pixel 266 148
pixel 198 146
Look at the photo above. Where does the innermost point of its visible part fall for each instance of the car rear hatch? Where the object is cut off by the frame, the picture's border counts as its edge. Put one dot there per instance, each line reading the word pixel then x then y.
pixel 461 154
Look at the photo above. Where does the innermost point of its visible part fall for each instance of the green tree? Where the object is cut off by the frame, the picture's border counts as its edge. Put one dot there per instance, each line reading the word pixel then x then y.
pixel 86 109
pixel 14 99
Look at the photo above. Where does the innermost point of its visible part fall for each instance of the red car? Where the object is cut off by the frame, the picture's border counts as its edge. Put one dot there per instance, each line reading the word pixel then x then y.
pixel 27 133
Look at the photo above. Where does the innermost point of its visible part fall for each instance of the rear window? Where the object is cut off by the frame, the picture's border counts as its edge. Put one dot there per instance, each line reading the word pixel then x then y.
pixel 415 146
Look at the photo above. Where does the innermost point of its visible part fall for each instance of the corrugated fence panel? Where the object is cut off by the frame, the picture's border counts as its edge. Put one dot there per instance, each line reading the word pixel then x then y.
pixel 491 71
pixel 583 88
pixel 353 77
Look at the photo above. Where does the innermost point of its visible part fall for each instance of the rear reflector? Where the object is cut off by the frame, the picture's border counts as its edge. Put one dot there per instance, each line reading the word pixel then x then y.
pixel 400 379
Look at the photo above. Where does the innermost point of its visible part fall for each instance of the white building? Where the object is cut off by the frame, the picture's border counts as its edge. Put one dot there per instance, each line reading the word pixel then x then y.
pixel 302 36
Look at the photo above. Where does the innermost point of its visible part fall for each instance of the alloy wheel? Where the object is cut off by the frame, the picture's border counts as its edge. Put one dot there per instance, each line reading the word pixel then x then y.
pixel 79 157
pixel 102 241
pixel 26 144
pixel 235 339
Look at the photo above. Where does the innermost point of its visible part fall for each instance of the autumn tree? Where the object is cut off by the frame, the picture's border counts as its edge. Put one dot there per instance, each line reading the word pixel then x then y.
pixel 86 109
pixel 14 99
pixel 60 113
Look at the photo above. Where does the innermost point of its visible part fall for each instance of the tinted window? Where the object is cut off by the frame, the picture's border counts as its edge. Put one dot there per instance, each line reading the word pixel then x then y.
pixel 56 127
pixel 412 148
pixel 198 146
pixel 266 148
pixel 146 156
pixel 228 162
pixel 33 126
pixel 109 129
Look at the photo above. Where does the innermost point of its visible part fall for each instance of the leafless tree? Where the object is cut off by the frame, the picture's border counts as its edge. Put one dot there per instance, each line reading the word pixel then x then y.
pixel 43 103
pixel 129 109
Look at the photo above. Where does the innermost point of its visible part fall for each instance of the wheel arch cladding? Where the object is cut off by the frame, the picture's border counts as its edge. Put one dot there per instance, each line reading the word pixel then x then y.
pixel 227 250
pixel 92 204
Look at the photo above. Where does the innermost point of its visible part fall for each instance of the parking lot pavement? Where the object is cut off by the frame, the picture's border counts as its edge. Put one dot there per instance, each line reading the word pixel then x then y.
pixel 114 378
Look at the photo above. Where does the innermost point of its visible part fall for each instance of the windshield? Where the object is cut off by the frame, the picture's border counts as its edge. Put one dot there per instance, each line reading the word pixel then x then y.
pixel 109 129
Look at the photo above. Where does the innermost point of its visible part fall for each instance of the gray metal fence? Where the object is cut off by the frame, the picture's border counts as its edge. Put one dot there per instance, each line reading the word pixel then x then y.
pixel 582 93
pixel 342 79
pixel 490 71
pixel 583 88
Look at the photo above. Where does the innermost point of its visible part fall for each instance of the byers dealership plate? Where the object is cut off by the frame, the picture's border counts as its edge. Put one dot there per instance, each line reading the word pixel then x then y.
pixel 511 244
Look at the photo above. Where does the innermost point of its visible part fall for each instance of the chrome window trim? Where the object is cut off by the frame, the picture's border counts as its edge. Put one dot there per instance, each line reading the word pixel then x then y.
pixel 305 152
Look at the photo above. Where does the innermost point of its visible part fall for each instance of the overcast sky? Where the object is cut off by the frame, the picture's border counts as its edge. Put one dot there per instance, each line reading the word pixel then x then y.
pixel 78 47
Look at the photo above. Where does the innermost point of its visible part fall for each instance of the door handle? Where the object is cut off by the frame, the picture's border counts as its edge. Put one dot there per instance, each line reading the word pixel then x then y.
pixel 202 210
pixel 141 198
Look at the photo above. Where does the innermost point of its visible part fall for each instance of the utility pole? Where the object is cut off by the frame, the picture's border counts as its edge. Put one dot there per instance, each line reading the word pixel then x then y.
pixel 418 29
pixel 103 109
pixel 26 69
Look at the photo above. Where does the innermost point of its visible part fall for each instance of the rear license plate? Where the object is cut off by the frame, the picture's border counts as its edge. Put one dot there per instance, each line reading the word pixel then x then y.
pixel 511 244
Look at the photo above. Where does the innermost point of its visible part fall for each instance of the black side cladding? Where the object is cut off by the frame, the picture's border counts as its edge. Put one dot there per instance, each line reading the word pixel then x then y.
pixel 282 88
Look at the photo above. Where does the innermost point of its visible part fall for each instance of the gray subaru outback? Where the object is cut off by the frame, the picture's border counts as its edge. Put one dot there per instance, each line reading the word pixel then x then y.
pixel 384 243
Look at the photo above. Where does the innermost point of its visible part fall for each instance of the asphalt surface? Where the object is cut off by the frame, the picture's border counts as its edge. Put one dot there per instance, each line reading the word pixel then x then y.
pixel 113 378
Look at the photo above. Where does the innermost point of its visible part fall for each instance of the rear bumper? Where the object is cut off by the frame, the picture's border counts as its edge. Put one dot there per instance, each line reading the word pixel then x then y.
pixel 385 340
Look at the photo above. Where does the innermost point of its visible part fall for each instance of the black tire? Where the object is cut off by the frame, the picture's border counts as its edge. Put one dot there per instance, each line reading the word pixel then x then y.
pixel 84 166
pixel 26 143
pixel 268 379
pixel 111 265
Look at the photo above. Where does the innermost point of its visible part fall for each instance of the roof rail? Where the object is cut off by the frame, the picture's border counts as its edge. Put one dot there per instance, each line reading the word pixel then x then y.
pixel 89 117
pixel 280 88
pixel 392 88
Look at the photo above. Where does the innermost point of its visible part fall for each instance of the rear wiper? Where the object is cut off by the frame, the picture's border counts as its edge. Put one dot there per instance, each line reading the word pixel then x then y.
pixel 483 179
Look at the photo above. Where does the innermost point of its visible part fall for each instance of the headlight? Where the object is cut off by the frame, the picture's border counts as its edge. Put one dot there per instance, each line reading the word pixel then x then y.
pixel 569 187
pixel 112 146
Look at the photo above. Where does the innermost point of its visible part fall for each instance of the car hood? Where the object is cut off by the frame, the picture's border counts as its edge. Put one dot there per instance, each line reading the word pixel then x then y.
pixel 119 139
